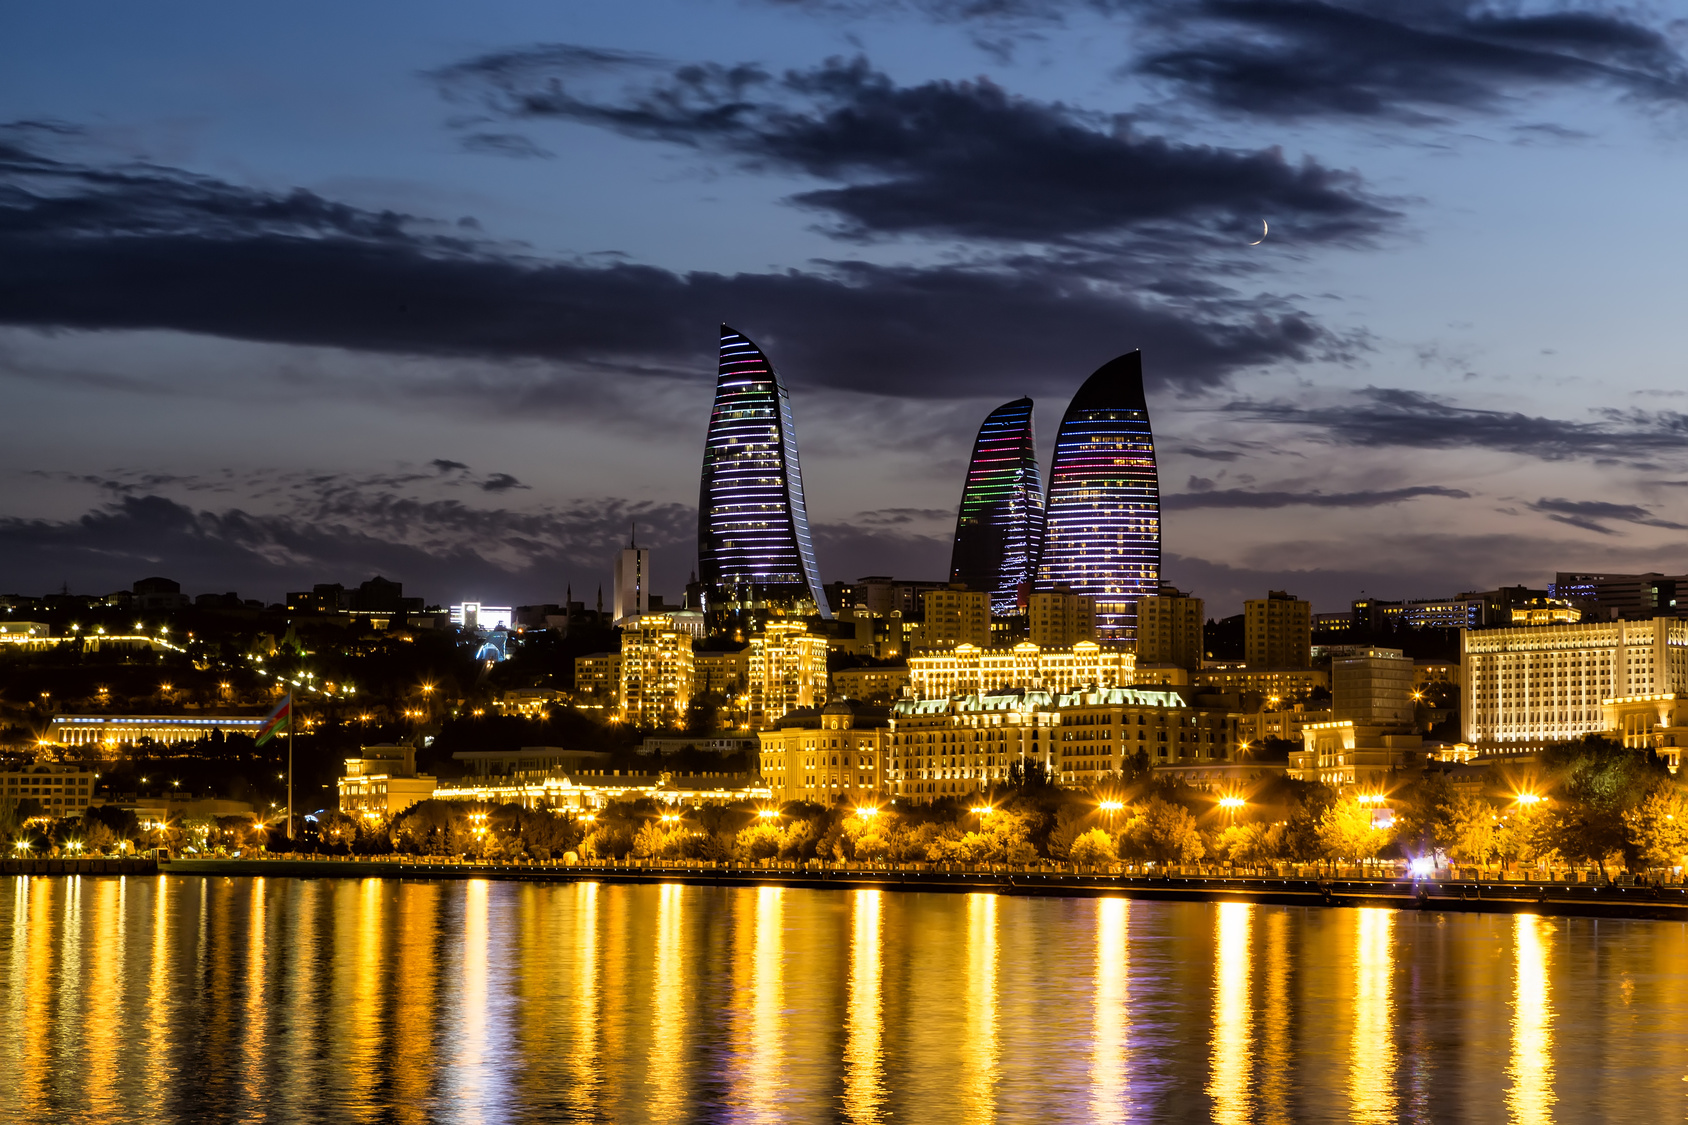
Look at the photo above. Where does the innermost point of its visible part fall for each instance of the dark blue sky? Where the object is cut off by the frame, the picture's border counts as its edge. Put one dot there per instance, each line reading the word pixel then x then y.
pixel 308 293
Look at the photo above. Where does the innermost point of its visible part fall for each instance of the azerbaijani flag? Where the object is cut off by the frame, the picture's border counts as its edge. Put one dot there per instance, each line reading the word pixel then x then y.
pixel 277 721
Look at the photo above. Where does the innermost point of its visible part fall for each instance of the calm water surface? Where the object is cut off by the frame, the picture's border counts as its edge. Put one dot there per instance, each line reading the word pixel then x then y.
pixel 177 998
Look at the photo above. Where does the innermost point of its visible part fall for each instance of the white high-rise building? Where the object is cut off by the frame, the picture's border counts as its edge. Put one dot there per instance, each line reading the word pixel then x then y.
pixel 632 583
pixel 1530 686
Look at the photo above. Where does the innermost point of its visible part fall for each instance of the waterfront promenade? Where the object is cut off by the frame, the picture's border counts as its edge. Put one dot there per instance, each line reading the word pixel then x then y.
pixel 1295 886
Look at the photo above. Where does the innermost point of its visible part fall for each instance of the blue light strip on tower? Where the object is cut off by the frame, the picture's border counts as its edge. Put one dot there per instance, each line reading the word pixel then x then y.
pixel 753 526
pixel 1000 525
pixel 1103 517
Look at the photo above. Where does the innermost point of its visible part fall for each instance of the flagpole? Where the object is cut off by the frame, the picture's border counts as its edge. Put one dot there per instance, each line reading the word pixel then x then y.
pixel 290 765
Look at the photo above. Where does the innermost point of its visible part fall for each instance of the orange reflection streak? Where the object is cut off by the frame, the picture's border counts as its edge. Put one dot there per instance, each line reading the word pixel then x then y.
pixel 158 989
pixel 1530 1098
pixel 981 1041
pixel 67 1002
pixel 584 1055
pixel 1232 1050
pixel 664 1076
pixel 864 1083
pixel 1371 1052
pixel 414 1056
pixel 37 990
pixel 764 1052
pixel 365 995
pixel 472 1062
pixel 1110 1056
pixel 255 1047
pixel 102 1012
pixel 1274 1018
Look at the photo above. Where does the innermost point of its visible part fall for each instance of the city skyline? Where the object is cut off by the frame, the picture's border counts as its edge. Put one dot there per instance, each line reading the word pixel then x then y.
pixel 433 298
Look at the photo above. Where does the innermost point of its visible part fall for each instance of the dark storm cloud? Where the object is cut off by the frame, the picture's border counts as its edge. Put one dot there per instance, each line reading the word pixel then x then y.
pixel 439 549
pixel 142 247
pixel 952 159
pixel 1282 58
pixel 1589 514
pixel 1384 416
pixel 1244 498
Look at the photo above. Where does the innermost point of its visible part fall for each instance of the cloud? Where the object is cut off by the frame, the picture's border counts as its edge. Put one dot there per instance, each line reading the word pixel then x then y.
pixel 946 159
pixel 1370 59
pixel 1384 416
pixel 445 466
pixel 1587 514
pixel 1244 498
pixel 501 482
pixel 144 247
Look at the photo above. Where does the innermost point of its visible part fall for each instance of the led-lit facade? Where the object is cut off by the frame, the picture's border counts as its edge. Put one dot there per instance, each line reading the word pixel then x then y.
pixel 1000 526
pixel 1102 533
pixel 754 545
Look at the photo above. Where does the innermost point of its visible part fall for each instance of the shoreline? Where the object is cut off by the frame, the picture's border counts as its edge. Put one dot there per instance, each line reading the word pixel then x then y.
pixel 1548 899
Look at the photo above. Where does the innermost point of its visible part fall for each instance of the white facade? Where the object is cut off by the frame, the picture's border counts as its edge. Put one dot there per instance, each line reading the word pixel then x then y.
pixel 475 615
pixel 971 670
pixel 632 583
pixel 1549 683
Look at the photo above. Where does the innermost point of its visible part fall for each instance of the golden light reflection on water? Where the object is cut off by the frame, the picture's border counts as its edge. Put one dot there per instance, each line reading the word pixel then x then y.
pixel 470 1085
pixel 254 1025
pixel 979 1088
pixel 665 1074
pixel 102 1012
pixel 1530 1097
pixel 864 1081
pixel 756 1097
pixel 585 1062
pixel 180 999
pixel 1274 1104
pixel 1232 1048
pixel 1110 1055
pixel 1371 1050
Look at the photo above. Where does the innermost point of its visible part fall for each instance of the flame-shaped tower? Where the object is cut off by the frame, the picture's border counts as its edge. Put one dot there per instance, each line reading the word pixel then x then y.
pixel 753 539
pixel 1000 526
pixel 1103 517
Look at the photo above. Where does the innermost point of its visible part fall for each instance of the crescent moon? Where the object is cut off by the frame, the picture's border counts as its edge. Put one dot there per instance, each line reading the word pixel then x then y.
pixel 1264 231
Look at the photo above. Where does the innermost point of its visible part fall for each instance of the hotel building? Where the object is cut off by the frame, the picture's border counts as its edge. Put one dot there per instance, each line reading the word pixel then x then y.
pixel 999 527
pixel 755 553
pixel 1524 688
pixel 656 672
pixel 785 667
pixel 836 752
pixel 1102 522
pixel 970 669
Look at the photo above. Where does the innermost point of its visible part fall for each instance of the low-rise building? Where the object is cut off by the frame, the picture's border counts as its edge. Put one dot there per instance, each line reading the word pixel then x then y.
pixel 1277 685
pixel 382 782
pixel 593 789
pixel 834 753
pixel 869 685
pixel 710 744
pixel 530 703
pixel 62 789
pixel 128 730
pixel 597 680
pixel 1352 755
pixel 1285 725
pixel 971 670
pixel 967 742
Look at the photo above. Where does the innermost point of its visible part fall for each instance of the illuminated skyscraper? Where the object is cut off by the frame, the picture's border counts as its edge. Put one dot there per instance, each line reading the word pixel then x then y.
pixel 1103 517
pixel 1000 526
pixel 753 543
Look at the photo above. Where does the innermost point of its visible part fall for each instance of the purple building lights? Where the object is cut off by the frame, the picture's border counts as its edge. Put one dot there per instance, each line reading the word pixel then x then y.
pixel 1000 526
pixel 1103 516
pixel 753 529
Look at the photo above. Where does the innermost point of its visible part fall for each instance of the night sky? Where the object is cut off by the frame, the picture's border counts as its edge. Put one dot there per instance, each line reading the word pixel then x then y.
pixel 310 292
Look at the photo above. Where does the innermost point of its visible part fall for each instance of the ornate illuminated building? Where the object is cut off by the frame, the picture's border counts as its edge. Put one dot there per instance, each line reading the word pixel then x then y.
pixel 1000 526
pixel 970 668
pixel 754 549
pixel 1102 534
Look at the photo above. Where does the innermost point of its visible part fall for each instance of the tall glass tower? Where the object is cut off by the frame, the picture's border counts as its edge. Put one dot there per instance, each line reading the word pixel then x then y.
pixel 1103 533
pixel 753 544
pixel 1000 526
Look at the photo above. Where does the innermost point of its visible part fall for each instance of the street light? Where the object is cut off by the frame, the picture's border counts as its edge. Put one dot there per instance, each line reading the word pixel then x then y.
pixel 767 814
pixel 1232 803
